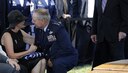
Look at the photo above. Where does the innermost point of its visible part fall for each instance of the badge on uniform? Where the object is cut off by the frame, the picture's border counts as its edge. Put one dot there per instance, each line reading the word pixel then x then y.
pixel 51 38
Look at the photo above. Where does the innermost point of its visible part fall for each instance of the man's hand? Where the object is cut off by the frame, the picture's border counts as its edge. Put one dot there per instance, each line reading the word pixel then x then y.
pixel 121 36
pixel 66 16
pixel 50 63
pixel 94 38
pixel 13 64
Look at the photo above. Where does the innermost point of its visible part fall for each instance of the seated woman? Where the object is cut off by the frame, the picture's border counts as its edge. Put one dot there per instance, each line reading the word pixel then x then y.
pixel 13 42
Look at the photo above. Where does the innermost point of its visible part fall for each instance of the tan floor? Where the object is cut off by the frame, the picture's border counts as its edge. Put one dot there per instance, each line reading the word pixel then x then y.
pixel 119 66
pixel 81 69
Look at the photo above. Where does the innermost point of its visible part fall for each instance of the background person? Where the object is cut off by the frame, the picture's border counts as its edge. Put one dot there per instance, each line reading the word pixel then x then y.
pixel 110 24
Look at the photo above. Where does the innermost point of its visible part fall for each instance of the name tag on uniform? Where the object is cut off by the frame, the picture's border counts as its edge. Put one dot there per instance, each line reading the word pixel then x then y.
pixel 51 38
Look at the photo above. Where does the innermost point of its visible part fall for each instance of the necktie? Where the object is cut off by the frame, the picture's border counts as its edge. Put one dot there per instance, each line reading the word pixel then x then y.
pixel 103 4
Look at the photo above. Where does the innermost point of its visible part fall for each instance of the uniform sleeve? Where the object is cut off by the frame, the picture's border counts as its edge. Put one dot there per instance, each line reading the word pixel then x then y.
pixel 63 42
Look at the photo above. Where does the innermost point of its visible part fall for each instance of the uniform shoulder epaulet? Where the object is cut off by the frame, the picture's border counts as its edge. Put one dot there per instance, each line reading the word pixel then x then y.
pixel 57 23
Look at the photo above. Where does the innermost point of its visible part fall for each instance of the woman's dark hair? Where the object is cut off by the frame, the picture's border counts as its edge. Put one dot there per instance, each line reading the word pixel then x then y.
pixel 15 17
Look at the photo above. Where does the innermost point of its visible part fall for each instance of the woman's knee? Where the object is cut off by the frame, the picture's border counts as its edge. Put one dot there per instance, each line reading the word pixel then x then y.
pixel 43 61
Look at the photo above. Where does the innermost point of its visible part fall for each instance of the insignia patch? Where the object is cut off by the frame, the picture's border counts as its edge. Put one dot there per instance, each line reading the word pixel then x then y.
pixel 50 32
pixel 51 38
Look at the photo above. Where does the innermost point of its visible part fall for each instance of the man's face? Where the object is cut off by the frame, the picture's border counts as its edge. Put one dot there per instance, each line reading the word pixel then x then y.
pixel 38 23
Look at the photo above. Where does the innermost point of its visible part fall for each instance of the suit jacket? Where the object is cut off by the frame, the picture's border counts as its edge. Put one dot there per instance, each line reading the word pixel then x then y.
pixel 80 8
pixel 55 41
pixel 109 23
pixel 2 58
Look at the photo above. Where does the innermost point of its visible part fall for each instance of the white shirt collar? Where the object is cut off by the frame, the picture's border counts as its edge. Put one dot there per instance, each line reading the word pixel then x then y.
pixel 45 28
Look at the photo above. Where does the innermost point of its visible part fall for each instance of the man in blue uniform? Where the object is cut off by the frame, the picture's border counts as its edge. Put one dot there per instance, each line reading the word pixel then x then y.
pixel 47 4
pixel 56 44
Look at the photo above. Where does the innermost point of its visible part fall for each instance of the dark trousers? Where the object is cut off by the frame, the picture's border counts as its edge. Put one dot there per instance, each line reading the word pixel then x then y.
pixel 23 69
pixel 108 51
pixel 63 64
pixel 126 47
pixel 7 68
pixel 84 44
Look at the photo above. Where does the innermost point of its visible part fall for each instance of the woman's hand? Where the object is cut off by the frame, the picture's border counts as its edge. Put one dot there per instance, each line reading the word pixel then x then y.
pixel 32 48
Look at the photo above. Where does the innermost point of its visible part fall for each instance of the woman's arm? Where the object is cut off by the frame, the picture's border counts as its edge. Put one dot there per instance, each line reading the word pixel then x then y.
pixel 8 43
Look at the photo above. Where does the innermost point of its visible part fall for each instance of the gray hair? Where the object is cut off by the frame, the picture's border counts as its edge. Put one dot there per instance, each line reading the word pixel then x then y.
pixel 42 14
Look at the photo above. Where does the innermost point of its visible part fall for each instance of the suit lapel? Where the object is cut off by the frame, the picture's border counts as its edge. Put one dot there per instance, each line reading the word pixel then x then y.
pixel 99 3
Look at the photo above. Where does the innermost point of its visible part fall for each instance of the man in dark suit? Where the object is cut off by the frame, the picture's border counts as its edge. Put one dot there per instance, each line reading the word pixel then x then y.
pixel 56 45
pixel 110 24
pixel 83 41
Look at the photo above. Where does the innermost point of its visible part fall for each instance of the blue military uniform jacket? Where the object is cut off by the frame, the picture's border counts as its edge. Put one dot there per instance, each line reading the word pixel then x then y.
pixel 54 41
